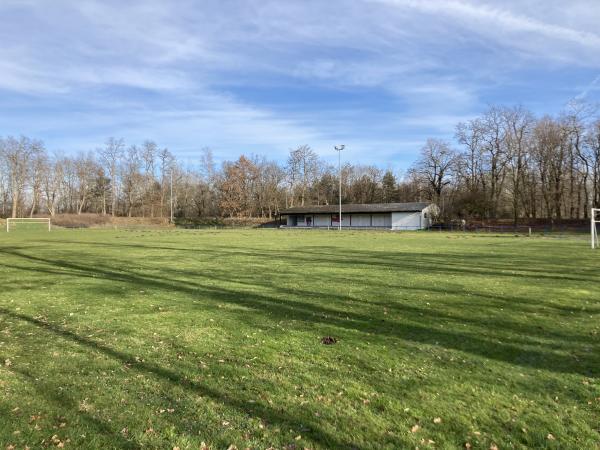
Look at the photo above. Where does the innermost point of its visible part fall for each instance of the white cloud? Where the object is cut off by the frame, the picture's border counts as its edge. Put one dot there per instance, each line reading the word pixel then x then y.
pixel 187 72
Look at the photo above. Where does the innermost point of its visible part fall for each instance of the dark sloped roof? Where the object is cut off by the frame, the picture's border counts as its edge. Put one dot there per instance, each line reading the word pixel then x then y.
pixel 358 208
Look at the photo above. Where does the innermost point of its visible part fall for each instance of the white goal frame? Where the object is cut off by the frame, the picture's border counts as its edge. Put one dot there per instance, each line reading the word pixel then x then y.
pixel 595 220
pixel 28 220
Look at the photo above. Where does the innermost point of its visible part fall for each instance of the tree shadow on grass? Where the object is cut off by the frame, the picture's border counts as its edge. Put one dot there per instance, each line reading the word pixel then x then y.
pixel 418 328
pixel 270 415
pixel 537 269
pixel 461 313
pixel 472 263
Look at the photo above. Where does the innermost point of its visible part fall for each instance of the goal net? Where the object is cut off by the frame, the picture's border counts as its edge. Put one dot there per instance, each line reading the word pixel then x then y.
pixel 595 227
pixel 28 223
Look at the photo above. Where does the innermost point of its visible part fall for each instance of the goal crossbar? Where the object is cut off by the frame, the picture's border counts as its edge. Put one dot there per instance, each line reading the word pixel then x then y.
pixel 595 220
pixel 13 220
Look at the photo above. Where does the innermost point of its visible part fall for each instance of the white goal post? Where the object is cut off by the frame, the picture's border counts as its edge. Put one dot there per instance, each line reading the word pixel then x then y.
pixel 595 220
pixel 12 222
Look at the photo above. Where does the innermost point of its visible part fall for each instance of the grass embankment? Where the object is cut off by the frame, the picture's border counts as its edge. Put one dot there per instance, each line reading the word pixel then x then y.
pixel 171 338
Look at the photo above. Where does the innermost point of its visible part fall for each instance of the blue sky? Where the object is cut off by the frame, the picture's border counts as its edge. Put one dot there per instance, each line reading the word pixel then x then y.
pixel 262 77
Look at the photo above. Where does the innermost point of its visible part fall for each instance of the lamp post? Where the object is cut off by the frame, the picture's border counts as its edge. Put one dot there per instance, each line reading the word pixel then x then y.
pixel 171 195
pixel 339 149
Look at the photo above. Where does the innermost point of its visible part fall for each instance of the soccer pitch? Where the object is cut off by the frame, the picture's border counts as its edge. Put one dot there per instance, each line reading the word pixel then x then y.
pixel 174 338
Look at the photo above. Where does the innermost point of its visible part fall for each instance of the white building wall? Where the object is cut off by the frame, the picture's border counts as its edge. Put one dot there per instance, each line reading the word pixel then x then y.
pixel 407 221
pixel 361 220
pixel 322 220
pixel 382 220
pixel 395 221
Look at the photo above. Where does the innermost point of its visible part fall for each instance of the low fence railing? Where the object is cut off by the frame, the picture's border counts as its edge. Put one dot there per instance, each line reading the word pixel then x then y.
pixel 518 229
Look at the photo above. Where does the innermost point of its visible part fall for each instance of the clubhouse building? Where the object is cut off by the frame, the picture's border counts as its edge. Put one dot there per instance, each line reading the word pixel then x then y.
pixel 391 216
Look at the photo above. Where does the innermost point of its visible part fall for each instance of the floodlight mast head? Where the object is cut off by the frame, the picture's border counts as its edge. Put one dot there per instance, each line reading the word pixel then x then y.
pixel 340 147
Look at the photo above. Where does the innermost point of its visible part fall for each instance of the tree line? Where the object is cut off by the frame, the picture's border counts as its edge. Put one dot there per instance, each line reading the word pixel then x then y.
pixel 510 164
pixel 140 181
pixel 504 164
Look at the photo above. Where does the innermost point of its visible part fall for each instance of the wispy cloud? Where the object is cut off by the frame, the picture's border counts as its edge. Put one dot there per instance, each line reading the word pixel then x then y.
pixel 589 88
pixel 265 75
pixel 508 27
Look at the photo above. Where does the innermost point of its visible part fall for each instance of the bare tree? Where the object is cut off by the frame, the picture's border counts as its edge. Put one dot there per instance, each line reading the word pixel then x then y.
pixel 53 177
pixel 550 156
pixel 470 165
pixel 518 124
pixel 38 166
pixel 166 164
pixel 18 156
pixel 574 120
pixel 493 134
pixel 592 160
pixel 148 155
pixel 207 165
pixel 131 178
pixel 4 182
pixel 85 169
pixel 435 166
pixel 302 170
pixel 111 155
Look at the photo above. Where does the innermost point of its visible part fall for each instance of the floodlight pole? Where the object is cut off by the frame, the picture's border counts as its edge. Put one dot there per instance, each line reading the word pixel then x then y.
pixel 171 199
pixel 339 149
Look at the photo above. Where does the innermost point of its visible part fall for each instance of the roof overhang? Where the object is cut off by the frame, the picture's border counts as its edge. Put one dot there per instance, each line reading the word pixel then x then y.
pixel 369 208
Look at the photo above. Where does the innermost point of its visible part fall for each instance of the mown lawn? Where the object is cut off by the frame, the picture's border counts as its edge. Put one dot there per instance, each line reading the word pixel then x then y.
pixel 174 338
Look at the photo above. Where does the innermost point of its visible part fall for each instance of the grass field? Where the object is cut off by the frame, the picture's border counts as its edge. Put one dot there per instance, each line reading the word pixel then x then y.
pixel 172 338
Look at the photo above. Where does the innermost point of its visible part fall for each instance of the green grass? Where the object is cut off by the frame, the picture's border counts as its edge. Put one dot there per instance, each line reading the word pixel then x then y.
pixel 171 338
